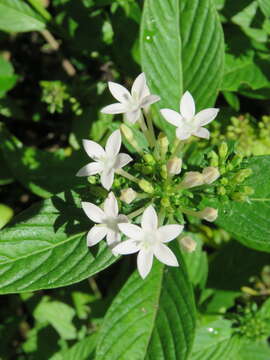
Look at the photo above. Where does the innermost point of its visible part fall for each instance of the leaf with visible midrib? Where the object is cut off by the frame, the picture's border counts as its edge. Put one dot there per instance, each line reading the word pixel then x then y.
pixel 249 222
pixel 182 48
pixel 45 247
pixel 17 16
pixel 150 319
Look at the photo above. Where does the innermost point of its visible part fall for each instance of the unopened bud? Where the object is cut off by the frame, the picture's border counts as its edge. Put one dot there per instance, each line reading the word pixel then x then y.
pixel 210 174
pixel 214 158
pixel 209 214
pixel 223 150
pixel 192 179
pixel 163 144
pixel 128 195
pixel 242 175
pixel 146 186
pixel 164 172
pixel 239 196
pixel 174 166
pixel 128 134
pixel 149 159
pixel 237 159
pixel 248 190
pixel 188 244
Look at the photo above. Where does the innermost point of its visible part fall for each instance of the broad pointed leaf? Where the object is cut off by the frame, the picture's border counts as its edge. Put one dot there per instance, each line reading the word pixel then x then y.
pixel 150 319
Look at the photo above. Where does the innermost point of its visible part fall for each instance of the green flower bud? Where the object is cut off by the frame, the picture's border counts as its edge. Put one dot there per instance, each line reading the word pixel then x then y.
pixel 223 150
pixel 237 159
pixel 146 186
pixel 92 179
pixel 238 196
pixel 165 202
pixel 163 172
pixel 222 190
pixel 248 190
pixel 149 159
pixel 242 175
pixel 163 143
pixel 214 159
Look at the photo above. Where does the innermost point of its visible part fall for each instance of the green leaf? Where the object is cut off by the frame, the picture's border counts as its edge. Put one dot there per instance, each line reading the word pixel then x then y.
pixel 248 222
pixel 214 341
pixel 57 314
pixel 17 16
pixel 197 263
pixel 254 351
pixel 246 72
pixel 7 77
pixel 82 350
pixel 182 48
pixel 6 213
pixel 5 175
pixel 150 319
pixel 265 7
pixel 45 247
pixel 42 172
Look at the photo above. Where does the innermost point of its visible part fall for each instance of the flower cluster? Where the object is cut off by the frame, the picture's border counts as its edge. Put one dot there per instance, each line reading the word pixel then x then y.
pixel 155 191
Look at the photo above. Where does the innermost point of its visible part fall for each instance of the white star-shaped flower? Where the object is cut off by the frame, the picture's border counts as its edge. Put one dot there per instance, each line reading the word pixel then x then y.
pixel 107 161
pixel 149 241
pixel 107 221
pixel 130 103
pixel 187 122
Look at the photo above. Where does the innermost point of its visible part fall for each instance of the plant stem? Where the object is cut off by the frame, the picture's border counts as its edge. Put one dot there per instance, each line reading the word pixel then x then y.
pixel 150 127
pixel 145 131
pixel 138 211
pixel 68 67
pixel 178 147
pixel 127 175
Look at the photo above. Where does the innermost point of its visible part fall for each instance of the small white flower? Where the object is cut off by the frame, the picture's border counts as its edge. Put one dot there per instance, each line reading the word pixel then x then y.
pixel 187 122
pixel 130 103
pixel 149 241
pixel 107 161
pixel 107 221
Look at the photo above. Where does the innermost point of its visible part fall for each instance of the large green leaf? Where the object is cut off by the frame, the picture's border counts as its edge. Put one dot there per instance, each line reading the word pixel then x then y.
pixel 254 351
pixel 245 72
pixel 182 48
pixel 265 7
pixel 45 247
pixel 42 172
pixel 18 16
pixel 248 222
pixel 214 341
pixel 150 319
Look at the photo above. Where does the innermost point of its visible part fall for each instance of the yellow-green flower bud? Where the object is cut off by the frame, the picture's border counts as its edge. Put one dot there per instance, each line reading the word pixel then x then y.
pixel 248 190
pixel 128 134
pixel 222 190
pixel 128 195
pixel 223 150
pixel 165 202
pixel 209 214
pixel 242 175
pixel 146 186
pixel 149 159
pixel 174 166
pixel 210 174
pixel 188 244
pixel 238 196
pixel 163 172
pixel 214 159
pixel 192 179
pixel 163 143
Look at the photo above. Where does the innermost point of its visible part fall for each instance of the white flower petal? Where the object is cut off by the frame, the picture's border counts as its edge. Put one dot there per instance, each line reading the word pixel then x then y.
pixel 90 169
pixel 93 212
pixel 169 232
pixel 117 108
pixel 122 219
pixel 165 255
pixel 119 92
pixel 149 100
pixel 133 116
pixel 96 234
pixel 173 117
pixel 113 237
pixel 122 160
pixel 93 149
pixel 187 106
pixel 205 116
pixel 106 179
pixel 202 133
pixel 131 231
pixel 149 219
pixel 111 205
pixel 183 133
pixel 113 144
pixel 138 87
pixel 126 247
pixel 144 263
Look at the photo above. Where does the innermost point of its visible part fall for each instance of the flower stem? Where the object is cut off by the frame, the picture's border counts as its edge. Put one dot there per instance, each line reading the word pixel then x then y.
pixel 138 211
pixel 178 147
pixel 127 175
pixel 145 131
pixel 150 127
pixel 161 216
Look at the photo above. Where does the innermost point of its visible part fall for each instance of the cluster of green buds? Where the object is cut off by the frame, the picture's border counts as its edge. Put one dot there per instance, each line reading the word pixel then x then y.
pixel 233 175
pixel 56 94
